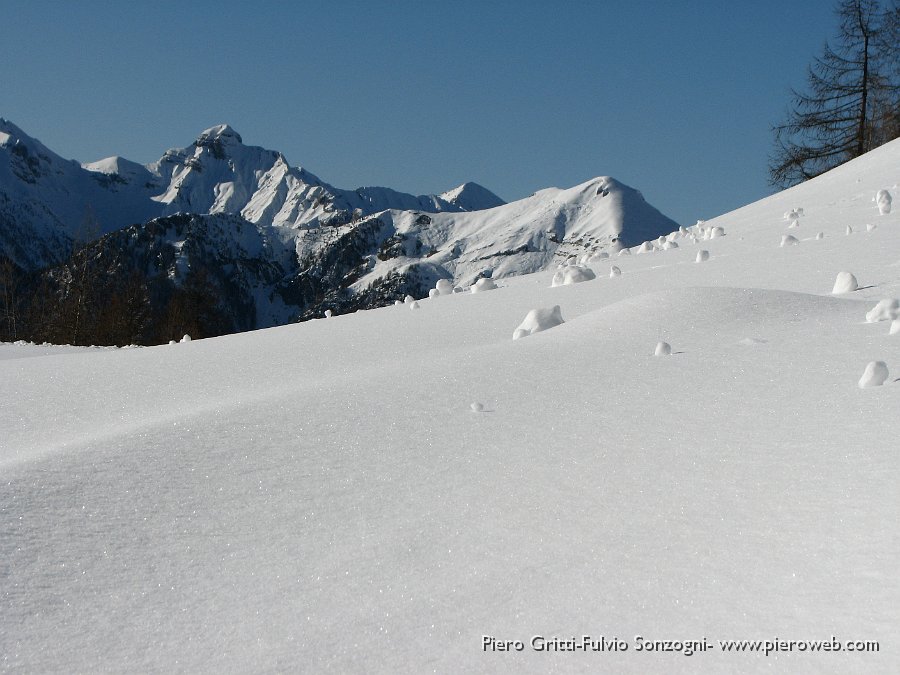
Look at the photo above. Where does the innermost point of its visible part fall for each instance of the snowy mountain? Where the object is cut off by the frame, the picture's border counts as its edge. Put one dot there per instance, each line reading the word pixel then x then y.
pixel 352 249
pixel 406 489
pixel 47 200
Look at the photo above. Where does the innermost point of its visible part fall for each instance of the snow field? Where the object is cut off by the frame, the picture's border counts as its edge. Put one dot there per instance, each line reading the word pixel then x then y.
pixel 236 503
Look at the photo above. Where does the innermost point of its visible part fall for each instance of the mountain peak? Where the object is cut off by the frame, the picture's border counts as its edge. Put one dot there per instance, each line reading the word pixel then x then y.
pixel 472 197
pixel 221 134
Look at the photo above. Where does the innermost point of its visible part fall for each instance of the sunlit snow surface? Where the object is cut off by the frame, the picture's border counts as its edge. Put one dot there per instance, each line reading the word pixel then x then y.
pixel 322 497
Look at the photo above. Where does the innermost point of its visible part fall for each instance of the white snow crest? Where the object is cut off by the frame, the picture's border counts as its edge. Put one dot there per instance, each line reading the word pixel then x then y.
pixel 538 320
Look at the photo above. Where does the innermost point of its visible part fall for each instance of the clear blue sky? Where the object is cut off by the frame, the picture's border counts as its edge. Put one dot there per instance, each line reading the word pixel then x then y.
pixel 673 98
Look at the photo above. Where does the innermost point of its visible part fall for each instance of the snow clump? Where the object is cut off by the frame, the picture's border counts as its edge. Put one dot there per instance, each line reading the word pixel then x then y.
pixel 844 283
pixel 875 375
pixel 477 407
pixel 602 255
pixel 702 256
pixel 849 230
pixel 186 338
pixel 886 310
pixel 895 327
pixel 717 232
pixel 883 200
pixel 537 320
pixel 328 314
pixel 444 287
pixel 789 240
pixel 414 304
pixel 669 245
pixel 624 251
pixel 663 349
pixel 820 236
pixel 572 275
pixel 485 284
pixel 614 272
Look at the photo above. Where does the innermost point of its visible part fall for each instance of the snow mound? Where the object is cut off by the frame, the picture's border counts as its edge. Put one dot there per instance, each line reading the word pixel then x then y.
pixel 186 338
pixel 883 201
pixel 844 283
pixel 537 320
pixel 624 252
pixel 789 240
pixel 702 256
pixel 614 272
pixel 572 274
pixel 484 284
pixel 886 310
pixel 444 287
pixel 646 247
pixel 717 232
pixel 662 349
pixel 477 407
pixel 669 245
pixel 409 299
pixel 875 375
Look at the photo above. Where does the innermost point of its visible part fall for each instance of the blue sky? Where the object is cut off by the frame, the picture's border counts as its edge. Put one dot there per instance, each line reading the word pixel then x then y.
pixel 673 98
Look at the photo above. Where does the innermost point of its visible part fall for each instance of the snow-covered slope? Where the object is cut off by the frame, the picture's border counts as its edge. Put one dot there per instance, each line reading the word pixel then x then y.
pixel 47 201
pixel 326 497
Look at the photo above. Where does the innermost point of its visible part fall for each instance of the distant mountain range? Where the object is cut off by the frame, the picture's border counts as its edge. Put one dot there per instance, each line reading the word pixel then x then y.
pixel 277 243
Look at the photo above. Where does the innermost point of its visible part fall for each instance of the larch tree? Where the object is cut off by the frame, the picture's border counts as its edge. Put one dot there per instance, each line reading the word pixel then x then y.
pixel 853 98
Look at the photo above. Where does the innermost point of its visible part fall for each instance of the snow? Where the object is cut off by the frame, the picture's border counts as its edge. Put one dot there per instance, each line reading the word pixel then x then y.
pixel 702 256
pixel 789 240
pixel 887 309
pixel 538 320
pixel 483 285
pixel 323 497
pixel 614 271
pixel 662 349
pixel 844 283
pixel 572 274
pixel 883 201
pixel 875 375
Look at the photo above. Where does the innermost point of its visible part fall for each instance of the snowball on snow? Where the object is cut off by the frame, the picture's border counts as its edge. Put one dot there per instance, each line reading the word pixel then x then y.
pixel 572 275
pixel 186 338
pixel 614 272
pixel 788 240
pixel 883 200
pixel 794 223
pixel 844 283
pixel 328 313
pixel 537 320
pixel 886 310
pixel 662 349
pixel 444 287
pixel 477 407
pixel 433 293
pixel 669 245
pixel 716 232
pixel 895 327
pixel 875 375
pixel 702 256
pixel 484 284
pixel 625 251
pixel 849 230
pixel 820 236
pixel 646 247
pixel 398 302
pixel 409 299
pixel 171 342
